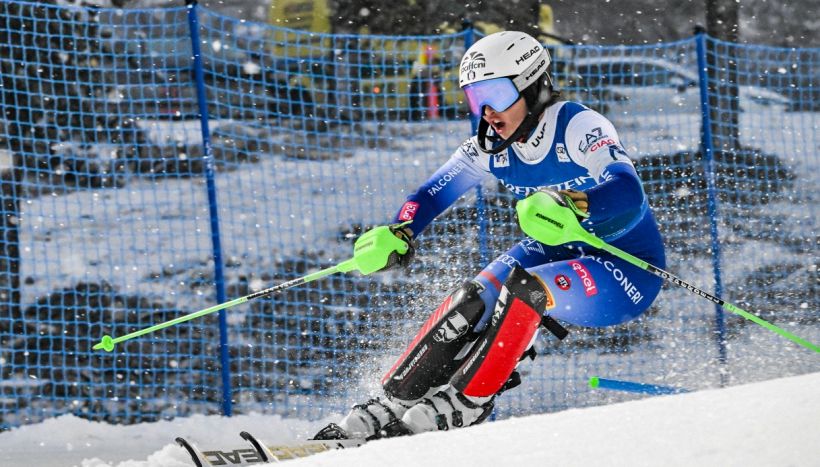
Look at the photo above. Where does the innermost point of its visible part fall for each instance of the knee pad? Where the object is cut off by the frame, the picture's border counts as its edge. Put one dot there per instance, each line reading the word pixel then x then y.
pixel 431 358
pixel 514 323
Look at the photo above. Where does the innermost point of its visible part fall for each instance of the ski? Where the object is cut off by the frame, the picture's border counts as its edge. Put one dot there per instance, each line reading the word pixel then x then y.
pixel 274 453
pixel 260 453
pixel 209 458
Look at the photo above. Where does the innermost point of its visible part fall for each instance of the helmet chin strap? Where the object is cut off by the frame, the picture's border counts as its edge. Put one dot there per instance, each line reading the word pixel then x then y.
pixel 530 121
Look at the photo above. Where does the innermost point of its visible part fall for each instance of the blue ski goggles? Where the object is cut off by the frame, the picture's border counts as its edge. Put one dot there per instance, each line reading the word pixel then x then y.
pixel 498 93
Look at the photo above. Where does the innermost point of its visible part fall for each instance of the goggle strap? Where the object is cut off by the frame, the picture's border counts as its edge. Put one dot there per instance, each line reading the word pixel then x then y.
pixel 520 81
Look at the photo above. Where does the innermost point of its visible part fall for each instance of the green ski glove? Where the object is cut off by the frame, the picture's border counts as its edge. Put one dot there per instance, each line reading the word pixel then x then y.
pixel 384 247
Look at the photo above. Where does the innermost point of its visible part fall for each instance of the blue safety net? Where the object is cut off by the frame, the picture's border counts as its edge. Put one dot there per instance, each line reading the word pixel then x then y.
pixel 140 184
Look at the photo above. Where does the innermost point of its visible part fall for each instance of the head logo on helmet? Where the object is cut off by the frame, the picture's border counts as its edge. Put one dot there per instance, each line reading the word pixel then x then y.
pixel 528 54
pixel 498 70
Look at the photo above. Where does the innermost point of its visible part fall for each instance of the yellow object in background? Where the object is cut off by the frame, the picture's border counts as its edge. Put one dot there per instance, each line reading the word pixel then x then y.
pixel 308 15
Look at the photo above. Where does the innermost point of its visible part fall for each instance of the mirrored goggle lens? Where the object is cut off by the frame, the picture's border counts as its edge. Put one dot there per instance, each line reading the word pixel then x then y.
pixel 498 93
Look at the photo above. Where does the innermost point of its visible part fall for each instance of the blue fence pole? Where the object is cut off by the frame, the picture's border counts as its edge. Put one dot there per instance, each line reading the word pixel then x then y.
pixel 709 173
pixel 219 279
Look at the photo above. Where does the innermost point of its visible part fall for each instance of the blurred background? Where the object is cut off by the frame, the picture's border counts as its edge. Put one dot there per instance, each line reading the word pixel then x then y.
pixel 628 22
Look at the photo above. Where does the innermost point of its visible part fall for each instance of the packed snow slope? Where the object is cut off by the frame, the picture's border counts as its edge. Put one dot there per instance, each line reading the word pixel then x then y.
pixel 773 423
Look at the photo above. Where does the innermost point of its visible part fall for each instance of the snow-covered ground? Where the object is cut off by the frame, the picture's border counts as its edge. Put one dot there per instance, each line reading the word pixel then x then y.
pixel 762 424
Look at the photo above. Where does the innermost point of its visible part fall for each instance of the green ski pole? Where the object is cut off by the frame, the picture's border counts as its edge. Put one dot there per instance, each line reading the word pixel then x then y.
pixel 550 219
pixel 371 253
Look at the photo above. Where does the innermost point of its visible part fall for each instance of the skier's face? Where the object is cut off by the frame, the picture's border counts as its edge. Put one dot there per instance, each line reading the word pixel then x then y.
pixel 505 123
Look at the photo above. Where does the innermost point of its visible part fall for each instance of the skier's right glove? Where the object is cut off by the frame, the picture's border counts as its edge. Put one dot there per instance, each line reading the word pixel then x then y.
pixel 397 259
pixel 378 250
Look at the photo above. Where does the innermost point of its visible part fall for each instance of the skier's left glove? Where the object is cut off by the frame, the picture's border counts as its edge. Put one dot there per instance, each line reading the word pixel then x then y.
pixel 577 201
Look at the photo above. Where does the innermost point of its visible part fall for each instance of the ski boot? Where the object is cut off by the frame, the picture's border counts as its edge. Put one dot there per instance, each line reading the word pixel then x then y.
pixel 447 409
pixel 376 418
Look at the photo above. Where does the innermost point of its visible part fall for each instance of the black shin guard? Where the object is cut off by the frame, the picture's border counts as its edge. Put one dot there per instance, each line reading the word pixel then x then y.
pixel 430 360
pixel 515 320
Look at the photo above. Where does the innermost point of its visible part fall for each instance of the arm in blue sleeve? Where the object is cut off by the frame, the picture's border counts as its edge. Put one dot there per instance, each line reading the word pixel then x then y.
pixel 438 193
pixel 620 193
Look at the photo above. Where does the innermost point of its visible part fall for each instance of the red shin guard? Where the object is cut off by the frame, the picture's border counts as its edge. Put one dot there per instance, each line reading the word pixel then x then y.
pixel 515 320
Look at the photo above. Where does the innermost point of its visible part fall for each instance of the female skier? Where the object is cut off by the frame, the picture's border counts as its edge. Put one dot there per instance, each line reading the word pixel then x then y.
pixel 530 140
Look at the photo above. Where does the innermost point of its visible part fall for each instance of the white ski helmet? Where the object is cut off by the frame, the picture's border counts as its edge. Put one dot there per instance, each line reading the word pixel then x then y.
pixel 499 69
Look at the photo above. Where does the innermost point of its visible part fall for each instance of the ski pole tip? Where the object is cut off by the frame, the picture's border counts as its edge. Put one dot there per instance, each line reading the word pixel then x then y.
pixel 106 343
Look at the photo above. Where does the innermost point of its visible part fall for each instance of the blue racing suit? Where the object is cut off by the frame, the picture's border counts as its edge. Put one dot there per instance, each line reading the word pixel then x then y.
pixel 572 147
